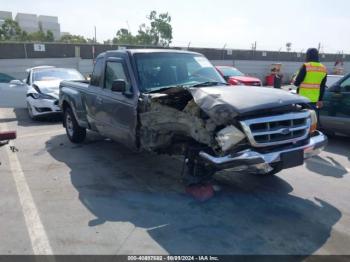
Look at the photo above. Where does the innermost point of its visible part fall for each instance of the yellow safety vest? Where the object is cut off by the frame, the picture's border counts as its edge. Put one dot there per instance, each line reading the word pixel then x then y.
pixel 310 87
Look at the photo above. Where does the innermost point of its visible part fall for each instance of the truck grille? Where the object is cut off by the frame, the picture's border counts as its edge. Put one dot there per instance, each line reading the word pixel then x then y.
pixel 277 130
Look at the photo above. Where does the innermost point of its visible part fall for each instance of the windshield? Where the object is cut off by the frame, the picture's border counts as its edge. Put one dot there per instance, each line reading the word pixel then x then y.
pixel 230 71
pixel 160 70
pixel 56 74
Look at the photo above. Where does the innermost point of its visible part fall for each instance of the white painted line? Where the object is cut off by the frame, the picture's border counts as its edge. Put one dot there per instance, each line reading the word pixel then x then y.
pixel 39 240
pixel 43 134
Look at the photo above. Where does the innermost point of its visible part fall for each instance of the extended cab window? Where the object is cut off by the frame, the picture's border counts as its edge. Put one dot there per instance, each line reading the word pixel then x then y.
pixel 115 71
pixel 345 85
pixel 97 73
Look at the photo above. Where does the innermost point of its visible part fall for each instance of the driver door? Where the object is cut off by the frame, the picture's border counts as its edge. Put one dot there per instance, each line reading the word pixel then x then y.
pixel 119 108
pixel 335 115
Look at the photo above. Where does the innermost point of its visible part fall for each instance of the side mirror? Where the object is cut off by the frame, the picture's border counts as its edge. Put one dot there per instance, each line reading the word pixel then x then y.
pixel 16 82
pixel 119 85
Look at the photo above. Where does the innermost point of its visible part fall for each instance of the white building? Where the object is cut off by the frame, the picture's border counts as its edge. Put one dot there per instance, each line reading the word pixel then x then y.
pixel 28 22
pixel 31 22
pixel 50 23
pixel 4 15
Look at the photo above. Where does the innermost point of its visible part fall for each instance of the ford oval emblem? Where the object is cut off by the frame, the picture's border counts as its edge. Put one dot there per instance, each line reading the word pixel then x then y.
pixel 285 131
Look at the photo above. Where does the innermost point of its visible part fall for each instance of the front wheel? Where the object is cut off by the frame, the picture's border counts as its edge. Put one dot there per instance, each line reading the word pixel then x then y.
pixel 75 133
pixel 30 112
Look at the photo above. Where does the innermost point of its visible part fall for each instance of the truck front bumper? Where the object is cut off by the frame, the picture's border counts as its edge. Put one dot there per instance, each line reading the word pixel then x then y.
pixel 251 161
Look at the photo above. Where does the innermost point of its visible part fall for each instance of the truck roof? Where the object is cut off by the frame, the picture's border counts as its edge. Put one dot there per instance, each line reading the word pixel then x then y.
pixel 147 50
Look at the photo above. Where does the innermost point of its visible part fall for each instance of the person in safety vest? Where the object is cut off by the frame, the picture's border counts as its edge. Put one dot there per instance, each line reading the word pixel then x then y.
pixel 311 79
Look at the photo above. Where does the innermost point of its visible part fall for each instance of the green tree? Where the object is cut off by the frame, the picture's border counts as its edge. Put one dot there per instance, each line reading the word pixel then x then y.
pixel 159 32
pixel 144 36
pixel 124 37
pixel 10 30
pixel 75 39
pixel 49 36
pixel 161 29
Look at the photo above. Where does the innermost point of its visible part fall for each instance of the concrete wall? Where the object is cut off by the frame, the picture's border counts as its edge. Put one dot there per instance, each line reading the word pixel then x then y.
pixel 17 67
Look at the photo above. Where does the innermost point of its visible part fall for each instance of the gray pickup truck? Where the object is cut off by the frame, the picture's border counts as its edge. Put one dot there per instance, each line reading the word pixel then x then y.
pixel 175 102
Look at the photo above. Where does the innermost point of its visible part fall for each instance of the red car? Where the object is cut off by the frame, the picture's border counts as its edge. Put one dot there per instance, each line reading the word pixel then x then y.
pixel 234 77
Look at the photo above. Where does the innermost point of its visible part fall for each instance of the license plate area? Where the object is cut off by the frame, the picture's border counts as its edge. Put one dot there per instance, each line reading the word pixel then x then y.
pixel 292 159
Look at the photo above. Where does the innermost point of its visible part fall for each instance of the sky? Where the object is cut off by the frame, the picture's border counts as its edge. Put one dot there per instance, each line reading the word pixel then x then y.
pixel 208 23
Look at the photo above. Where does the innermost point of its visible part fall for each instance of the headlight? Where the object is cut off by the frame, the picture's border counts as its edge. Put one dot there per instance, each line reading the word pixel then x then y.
pixel 313 116
pixel 42 96
pixel 228 137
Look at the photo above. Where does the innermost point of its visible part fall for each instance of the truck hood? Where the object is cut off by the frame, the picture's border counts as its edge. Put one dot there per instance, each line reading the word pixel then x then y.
pixel 50 87
pixel 224 102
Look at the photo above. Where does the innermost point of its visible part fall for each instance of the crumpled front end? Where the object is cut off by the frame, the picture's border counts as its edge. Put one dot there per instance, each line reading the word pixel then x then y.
pixel 219 135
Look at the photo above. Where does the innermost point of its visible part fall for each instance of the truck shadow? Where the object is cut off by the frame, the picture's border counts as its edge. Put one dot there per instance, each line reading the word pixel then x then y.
pixel 326 166
pixel 339 145
pixel 249 216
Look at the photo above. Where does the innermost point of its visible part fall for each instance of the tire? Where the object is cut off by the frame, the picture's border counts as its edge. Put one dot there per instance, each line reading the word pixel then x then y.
pixel 30 112
pixel 75 133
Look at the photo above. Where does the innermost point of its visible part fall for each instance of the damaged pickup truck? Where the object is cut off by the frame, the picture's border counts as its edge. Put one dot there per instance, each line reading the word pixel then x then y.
pixel 175 102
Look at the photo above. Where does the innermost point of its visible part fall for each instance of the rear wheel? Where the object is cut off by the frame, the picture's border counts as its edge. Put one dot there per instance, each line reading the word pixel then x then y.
pixel 75 133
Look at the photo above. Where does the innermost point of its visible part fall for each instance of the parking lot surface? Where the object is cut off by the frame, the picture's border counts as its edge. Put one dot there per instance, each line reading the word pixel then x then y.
pixel 100 198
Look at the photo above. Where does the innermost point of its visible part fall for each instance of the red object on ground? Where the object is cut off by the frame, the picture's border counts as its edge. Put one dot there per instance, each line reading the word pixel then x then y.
pixel 201 192
pixel 270 80
pixel 8 135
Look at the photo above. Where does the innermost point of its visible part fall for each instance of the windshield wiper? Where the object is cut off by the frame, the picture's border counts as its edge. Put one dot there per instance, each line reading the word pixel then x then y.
pixel 163 89
pixel 209 83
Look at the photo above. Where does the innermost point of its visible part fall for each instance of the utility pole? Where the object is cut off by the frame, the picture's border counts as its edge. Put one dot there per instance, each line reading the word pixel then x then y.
pixel 223 51
pixel 127 24
pixel 95 35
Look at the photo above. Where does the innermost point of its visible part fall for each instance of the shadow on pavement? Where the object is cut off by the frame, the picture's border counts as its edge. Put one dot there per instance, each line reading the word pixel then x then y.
pixel 24 119
pixel 327 166
pixel 339 145
pixel 249 216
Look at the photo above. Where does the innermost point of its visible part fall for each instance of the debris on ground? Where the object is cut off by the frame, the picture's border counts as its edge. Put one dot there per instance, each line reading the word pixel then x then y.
pixel 201 192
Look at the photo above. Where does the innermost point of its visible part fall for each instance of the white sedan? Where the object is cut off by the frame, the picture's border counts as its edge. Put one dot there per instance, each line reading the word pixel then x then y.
pixel 43 89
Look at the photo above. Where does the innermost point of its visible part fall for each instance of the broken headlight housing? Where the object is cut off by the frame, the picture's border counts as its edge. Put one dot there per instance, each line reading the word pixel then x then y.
pixel 228 137
pixel 42 96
